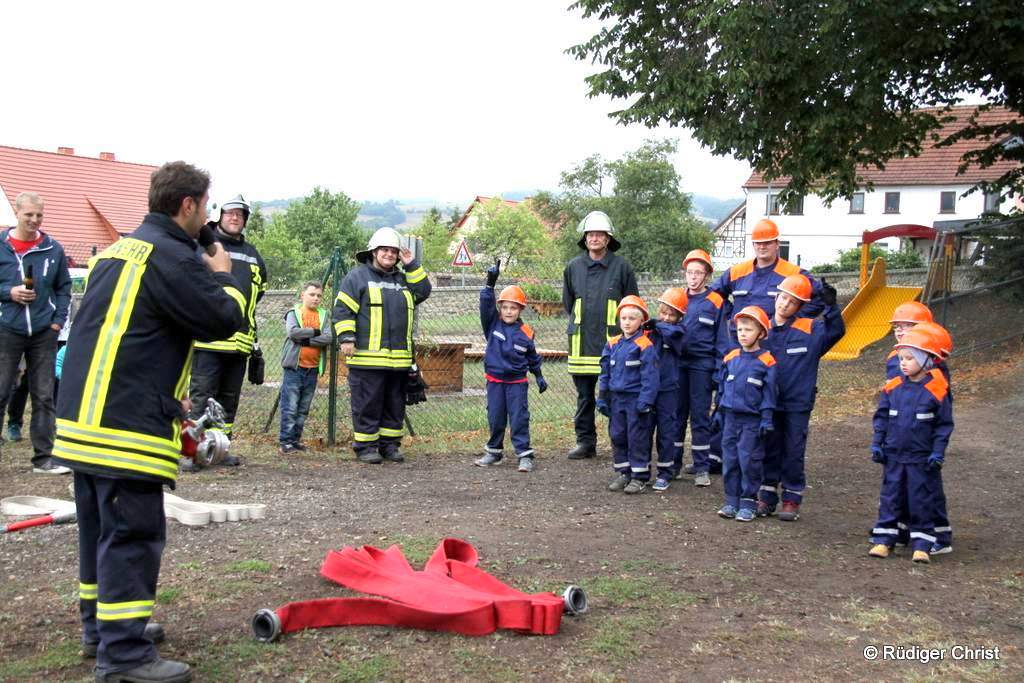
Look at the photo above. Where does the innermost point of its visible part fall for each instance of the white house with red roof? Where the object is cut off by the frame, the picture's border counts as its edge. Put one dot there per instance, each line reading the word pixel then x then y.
pixel 919 190
pixel 89 201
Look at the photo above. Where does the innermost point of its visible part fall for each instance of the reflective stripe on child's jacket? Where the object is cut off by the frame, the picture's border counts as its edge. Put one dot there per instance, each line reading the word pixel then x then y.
pixel 747 382
pixel 914 419
pixel 631 364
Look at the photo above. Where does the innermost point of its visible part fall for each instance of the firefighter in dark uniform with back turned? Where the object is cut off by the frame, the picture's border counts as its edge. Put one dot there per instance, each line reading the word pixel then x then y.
pixel 373 318
pixel 592 285
pixel 119 411
pixel 218 367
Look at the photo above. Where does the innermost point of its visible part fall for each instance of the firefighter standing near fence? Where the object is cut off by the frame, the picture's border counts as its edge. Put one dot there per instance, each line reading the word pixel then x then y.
pixel 118 412
pixel 373 317
pixel 218 367
pixel 592 286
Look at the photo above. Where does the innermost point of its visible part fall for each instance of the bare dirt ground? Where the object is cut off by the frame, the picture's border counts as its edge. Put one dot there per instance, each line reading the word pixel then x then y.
pixel 677 594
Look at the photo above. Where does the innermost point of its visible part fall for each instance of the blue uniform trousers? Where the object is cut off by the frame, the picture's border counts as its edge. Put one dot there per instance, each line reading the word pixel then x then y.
pixel 742 459
pixel 121 536
pixel 695 389
pixel 630 433
pixel 943 529
pixel 784 458
pixel 911 489
pixel 669 440
pixel 508 404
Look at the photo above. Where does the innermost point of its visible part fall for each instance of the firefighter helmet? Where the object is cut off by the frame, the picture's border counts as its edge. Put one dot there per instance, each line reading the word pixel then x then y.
pixel 597 221
pixel 699 255
pixel 384 237
pixel 236 202
pixel 513 293
pixel 941 335
pixel 797 286
pixel 636 302
pixel 912 312
pixel 923 339
pixel 675 298
pixel 765 230
pixel 757 314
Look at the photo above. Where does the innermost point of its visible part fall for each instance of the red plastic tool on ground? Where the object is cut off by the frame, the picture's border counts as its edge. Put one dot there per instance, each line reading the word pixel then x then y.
pixel 450 594
pixel 65 518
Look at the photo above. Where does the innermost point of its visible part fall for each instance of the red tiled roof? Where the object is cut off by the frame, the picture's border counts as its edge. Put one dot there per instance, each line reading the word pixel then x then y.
pixel 934 166
pixel 552 228
pixel 89 201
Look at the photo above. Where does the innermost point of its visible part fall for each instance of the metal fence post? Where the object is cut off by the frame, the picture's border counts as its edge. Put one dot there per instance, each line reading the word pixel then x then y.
pixel 333 271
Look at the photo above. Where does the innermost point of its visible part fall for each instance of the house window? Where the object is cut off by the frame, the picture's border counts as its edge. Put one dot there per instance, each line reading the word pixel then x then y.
pixel 773 206
pixel 892 202
pixel 784 250
pixel 992 202
pixel 947 202
pixel 857 202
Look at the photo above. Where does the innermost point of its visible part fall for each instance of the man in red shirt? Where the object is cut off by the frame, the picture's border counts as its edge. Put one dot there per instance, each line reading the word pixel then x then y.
pixel 35 293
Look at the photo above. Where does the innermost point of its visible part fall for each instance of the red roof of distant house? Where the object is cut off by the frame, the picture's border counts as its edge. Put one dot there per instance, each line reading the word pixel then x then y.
pixel 934 166
pixel 480 199
pixel 88 201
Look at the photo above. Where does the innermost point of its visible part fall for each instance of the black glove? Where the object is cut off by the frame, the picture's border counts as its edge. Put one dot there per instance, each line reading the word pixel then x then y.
pixel 304 341
pixel 206 236
pixel 828 293
pixel 542 384
pixel 877 455
pixel 316 331
pixel 493 272
pixel 650 324
pixel 415 387
pixel 257 366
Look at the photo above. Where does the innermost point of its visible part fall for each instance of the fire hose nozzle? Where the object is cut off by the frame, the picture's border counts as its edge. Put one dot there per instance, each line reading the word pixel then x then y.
pixel 576 602
pixel 266 625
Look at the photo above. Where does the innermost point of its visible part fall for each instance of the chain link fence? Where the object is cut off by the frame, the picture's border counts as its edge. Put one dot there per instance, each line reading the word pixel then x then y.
pixel 983 320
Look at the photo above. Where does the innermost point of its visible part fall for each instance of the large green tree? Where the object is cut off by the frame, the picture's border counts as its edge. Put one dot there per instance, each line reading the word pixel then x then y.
pixel 436 237
pixel 512 233
pixel 297 243
pixel 641 194
pixel 810 89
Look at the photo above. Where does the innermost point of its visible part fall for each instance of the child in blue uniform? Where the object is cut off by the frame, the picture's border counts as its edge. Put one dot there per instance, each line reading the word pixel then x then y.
pixel 627 392
pixel 912 427
pixel 797 345
pixel 747 396
pixel 667 335
pixel 510 353
pixel 706 330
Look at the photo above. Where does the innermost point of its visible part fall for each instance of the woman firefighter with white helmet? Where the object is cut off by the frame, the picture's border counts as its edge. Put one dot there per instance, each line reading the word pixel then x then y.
pixel 373 317
pixel 592 286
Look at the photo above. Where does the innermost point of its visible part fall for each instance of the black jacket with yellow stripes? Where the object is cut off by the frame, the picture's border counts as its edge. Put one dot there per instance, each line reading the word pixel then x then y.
pixel 148 297
pixel 591 291
pixel 251 279
pixel 374 309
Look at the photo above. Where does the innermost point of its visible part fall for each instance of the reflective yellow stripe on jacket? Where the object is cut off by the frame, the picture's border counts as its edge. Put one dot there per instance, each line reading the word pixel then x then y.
pixel 578 364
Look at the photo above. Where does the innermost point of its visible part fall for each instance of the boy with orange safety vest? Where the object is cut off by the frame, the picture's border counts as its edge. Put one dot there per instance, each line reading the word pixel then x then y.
pixel 797 345
pixel 704 325
pixel 510 353
pixel 747 395
pixel 912 427
pixel 911 315
pixel 627 393
pixel 668 335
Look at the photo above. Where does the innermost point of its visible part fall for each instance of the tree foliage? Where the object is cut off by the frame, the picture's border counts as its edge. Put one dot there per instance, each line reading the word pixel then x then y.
pixel 1001 257
pixel 512 233
pixel 813 90
pixel 436 238
pixel 641 194
pixel 849 259
pixel 383 213
pixel 297 243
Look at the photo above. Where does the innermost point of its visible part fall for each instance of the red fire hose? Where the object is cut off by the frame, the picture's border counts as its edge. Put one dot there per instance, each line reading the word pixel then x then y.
pixel 63 518
pixel 449 594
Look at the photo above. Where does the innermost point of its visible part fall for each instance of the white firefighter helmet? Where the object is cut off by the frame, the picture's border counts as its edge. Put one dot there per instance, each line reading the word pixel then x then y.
pixel 383 237
pixel 236 202
pixel 597 221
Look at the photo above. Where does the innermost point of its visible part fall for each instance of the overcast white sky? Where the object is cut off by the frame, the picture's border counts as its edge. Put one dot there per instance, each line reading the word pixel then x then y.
pixel 377 99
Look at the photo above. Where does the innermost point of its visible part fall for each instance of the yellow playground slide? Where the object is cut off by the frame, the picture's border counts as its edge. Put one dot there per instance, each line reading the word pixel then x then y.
pixel 868 313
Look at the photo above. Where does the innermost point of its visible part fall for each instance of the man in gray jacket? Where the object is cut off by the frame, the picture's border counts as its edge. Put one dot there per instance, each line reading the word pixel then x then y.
pixel 35 293
pixel 307 333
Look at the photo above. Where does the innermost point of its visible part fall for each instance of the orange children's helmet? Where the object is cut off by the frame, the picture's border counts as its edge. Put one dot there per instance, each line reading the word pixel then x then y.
pixel 923 339
pixel 912 312
pixel 797 286
pixel 765 230
pixel 941 335
pixel 756 314
pixel 513 293
pixel 633 300
pixel 675 297
pixel 698 255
